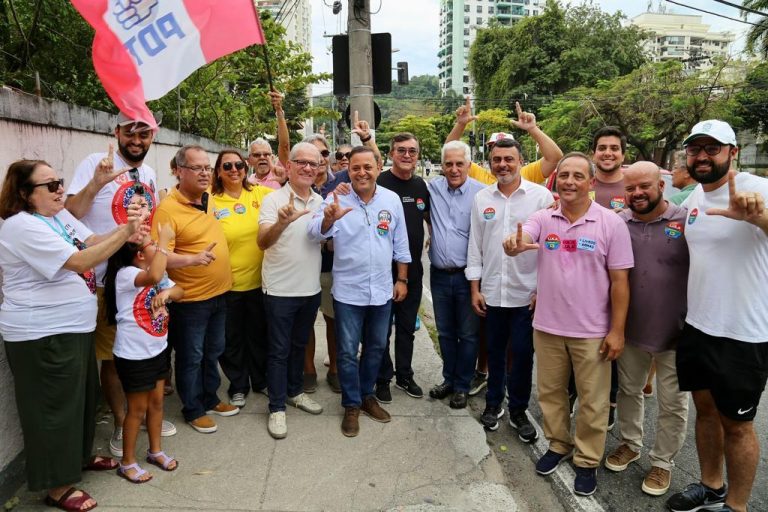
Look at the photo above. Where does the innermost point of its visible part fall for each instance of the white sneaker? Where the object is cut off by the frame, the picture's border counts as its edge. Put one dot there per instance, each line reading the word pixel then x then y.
pixel 238 400
pixel 303 402
pixel 168 429
pixel 276 426
pixel 116 443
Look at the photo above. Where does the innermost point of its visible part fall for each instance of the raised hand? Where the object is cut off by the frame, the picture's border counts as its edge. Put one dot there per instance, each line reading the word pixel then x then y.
pixel 525 120
pixel 515 244
pixel 361 128
pixel 158 304
pixel 277 100
pixel 289 213
pixel 343 189
pixel 464 113
pixel 165 235
pixel 206 256
pixel 334 211
pixel 136 217
pixel 105 170
pixel 748 206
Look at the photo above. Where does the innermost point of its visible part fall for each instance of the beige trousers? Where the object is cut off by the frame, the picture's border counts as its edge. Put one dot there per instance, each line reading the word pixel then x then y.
pixel 634 365
pixel 554 357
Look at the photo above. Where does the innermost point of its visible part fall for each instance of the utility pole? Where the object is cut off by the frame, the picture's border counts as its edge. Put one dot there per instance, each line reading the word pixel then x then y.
pixel 360 68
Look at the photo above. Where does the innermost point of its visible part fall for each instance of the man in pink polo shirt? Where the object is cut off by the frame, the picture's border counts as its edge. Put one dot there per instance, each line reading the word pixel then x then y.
pixel 584 257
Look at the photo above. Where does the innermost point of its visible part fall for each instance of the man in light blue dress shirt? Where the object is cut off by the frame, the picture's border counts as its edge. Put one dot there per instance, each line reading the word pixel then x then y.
pixel 368 230
pixel 451 199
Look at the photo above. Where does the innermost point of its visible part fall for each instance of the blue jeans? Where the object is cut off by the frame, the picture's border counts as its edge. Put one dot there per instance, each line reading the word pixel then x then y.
pixel 457 327
pixel 290 321
pixel 196 331
pixel 513 326
pixel 355 323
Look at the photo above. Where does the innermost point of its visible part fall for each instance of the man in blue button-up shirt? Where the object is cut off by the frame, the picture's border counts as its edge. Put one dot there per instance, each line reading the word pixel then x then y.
pixel 451 199
pixel 368 230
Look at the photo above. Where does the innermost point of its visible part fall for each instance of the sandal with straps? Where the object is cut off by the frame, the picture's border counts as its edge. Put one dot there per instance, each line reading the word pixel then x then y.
pixel 68 503
pixel 122 472
pixel 152 458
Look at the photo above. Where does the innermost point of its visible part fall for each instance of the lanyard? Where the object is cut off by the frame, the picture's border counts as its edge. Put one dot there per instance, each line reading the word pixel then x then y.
pixel 62 231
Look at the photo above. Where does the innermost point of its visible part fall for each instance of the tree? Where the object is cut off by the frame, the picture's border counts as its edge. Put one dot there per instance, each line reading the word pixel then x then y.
pixel 655 106
pixel 752 100
pixel 422 128
pixel 563 48
pixel 757 37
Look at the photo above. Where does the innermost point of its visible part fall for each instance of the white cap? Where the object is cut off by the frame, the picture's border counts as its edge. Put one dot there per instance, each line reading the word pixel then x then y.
pixel 718 130
pixel 138 124
pixel 497 136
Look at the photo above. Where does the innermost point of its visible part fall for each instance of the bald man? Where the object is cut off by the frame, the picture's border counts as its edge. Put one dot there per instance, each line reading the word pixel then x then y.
pixel 661 263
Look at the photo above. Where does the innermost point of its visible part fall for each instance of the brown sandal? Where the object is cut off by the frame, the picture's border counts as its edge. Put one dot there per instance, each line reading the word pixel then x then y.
pixel 99 463
pixel 68 503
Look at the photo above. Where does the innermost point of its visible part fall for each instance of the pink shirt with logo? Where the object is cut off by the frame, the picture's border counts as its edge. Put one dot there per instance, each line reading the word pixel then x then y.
pixel 573 295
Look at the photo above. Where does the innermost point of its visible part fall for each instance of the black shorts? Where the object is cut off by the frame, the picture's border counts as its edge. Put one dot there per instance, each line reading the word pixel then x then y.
pixel 141 375
pixel 735 372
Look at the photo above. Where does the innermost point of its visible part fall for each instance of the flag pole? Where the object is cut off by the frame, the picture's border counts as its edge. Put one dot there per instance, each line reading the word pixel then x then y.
pixel 264 48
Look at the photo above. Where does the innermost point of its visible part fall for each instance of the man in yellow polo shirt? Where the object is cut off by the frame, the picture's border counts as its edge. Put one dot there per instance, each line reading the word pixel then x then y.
pixel 199 264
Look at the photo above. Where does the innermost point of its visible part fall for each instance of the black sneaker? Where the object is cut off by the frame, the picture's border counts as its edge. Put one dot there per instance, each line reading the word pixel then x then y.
pixel 548 462
pixel 410 387
pixel 490 417
pixel 520 422
pixel 585 483
pixel 383 394
pixel 479 381
pixel 441 391
pixel 612 417
pixel 698 497
pixel 458 401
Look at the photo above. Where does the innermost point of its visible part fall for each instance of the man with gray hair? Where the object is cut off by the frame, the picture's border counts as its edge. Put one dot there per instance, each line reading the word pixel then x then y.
pixel 681 179
pixel 261 159
pixel 451 197
pixel 291 284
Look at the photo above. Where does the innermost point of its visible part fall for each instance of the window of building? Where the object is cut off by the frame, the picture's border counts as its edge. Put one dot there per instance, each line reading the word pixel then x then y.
pixel 466 20
pixel 479 20
pixel 466 31
pixel 466 90
pixel 466 43
pixel 480 9
pixel 490 9
pixel 466 8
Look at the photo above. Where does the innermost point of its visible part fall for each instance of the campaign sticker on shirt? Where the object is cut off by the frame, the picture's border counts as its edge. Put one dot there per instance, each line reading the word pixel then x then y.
pixel 222 214
pixel 152 324
pixel 692 216
pixel 385 216
pixel 125 195
pixel 569 245
pixel 420 204
pixel 586 244
pixel 552 242
pixel 673 230
pixel 489 213
pixel 239 208
pixel 383 228
pixel 617 202
pixel 592 195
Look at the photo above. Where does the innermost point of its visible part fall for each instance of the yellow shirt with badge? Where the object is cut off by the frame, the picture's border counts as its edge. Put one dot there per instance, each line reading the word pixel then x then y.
pixel 240 220
pixel 529 172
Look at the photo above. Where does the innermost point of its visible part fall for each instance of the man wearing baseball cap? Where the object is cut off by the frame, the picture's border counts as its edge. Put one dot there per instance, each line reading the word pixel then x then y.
pixel 722 357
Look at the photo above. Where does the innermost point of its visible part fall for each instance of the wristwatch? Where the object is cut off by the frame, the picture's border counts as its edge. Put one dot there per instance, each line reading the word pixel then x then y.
pixel 401 280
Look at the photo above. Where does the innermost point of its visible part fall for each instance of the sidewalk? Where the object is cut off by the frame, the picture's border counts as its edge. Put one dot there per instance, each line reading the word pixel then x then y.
pixel 429 458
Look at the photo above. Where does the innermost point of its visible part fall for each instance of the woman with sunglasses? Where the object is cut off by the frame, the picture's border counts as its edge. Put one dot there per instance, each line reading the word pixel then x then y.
pixel 236 205
pixel 47 321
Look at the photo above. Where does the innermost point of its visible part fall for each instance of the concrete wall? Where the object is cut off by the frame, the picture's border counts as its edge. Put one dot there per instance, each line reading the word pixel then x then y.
pixel 61 134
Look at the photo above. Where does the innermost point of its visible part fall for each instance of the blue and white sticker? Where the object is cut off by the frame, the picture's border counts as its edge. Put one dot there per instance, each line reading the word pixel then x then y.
pixel 586 244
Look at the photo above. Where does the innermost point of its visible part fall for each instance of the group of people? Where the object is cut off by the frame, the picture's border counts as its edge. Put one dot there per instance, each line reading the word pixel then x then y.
pixel 605 283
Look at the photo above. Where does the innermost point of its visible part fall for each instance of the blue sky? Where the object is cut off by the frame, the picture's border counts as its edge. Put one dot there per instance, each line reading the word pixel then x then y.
pixel 414 27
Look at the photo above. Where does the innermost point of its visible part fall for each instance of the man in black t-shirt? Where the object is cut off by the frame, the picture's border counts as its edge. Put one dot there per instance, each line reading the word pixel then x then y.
pixel 412 190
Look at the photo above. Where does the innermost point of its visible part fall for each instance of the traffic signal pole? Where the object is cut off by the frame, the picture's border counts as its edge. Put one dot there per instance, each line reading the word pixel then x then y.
pixel 360 69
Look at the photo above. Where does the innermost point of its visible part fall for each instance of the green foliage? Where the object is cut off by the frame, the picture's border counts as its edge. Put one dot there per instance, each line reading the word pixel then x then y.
pixel 757 37
pixel 752 100
pixel 226 101
pixel 655 105
pixel 563 48
pixel 421 127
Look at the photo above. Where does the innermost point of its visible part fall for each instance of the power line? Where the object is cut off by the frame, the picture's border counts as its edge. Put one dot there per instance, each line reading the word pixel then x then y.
pixel 713 13
pixel 741 7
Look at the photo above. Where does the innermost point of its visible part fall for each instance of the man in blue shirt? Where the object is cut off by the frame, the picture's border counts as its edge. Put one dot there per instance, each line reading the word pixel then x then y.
pixel 451 199
pixel 368 230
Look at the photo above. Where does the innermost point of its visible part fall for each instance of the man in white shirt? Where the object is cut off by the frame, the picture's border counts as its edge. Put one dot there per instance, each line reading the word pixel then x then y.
pixel 503 287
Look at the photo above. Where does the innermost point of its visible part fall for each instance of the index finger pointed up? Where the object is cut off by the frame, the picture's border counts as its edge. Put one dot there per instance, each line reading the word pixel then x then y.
pixel 519 236
pixel 111 154
pixel 210 247
pixel 519 110
pixel 468 104
pixel 731 185
pixel 335 198
pixel 290 199
pixel 355 118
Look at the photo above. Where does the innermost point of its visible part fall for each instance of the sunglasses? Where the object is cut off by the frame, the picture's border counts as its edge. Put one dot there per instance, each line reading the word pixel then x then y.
pixel 227 166
pixel 53 186
pixel 710 149
pixel 340 155
pixel 410 151
pixel 325 153
pixel 138 187
pixel 260 155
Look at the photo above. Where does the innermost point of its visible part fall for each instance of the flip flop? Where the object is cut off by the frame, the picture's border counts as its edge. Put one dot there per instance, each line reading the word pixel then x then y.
pixel 152 458
pixel 68 503
pixel 135 479
pixel 103 464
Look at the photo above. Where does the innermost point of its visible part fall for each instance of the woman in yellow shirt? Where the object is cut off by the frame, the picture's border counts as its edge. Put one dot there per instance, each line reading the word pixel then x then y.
pixel 236 205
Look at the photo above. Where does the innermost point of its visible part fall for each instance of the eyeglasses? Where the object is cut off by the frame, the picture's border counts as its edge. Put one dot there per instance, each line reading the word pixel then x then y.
pixel 53 186
pixel 304 163
pixel 227 166
pixel 261 155
pixel 710 149
pixel 138 187
pixel 197 169
pixel 325 153
pixel 410 151
pixel 340 155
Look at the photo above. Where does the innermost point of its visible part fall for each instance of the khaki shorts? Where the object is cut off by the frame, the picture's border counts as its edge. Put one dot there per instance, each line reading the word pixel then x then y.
pixel 105 333
pixel 326 299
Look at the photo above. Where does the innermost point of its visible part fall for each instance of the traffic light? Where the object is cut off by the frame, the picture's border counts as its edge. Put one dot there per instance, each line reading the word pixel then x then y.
pixel 402 73
pixel 472 140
